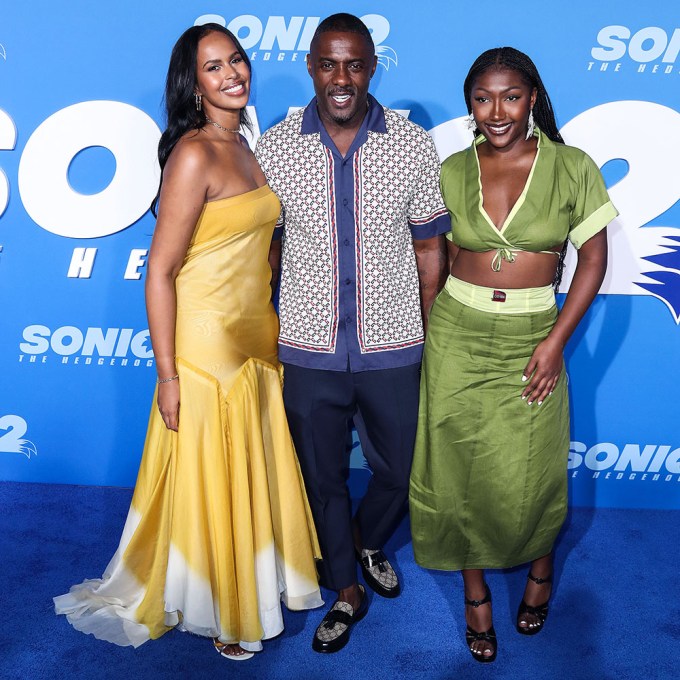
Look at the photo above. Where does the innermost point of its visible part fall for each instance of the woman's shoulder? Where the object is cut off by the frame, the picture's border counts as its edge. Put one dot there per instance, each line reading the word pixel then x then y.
pixel 574 160
pixel 569 152
pixel 455 163
pixel 452 173
pixel 190 153
pixel 190 145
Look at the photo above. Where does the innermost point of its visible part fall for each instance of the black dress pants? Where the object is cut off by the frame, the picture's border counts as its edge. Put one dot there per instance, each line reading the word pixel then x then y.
pixel 320 405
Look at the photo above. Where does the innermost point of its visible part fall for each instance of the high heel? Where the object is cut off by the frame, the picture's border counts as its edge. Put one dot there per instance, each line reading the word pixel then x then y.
pixel 540 611
pixel 471 635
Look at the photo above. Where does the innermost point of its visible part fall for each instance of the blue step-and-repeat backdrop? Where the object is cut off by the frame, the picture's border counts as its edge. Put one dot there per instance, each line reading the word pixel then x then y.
pixel 80 116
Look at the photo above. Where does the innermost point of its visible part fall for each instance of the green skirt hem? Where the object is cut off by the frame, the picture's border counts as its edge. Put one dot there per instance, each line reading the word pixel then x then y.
pixel 441 565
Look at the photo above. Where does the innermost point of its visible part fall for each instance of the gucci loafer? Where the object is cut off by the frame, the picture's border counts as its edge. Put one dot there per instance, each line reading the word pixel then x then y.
pixel 378 573
pixel 334 630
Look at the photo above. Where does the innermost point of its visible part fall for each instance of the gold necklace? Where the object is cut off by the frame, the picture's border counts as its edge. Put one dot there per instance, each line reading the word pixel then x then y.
pixel 220 127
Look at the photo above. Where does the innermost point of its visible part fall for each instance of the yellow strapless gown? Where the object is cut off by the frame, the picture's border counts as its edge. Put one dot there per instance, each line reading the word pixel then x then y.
pixel 219 530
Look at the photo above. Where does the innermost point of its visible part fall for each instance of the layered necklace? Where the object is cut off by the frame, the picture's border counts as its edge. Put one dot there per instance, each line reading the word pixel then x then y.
pixel 220 127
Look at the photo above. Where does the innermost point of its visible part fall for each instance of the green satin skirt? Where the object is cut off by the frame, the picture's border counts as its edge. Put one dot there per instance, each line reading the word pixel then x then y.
pixel 489 479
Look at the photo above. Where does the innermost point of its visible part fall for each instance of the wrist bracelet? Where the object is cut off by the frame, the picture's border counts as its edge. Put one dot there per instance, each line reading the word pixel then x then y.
pixel 174 377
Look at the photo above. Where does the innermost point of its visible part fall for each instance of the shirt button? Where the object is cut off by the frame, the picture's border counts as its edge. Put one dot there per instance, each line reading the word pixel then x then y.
pixel 348 319
pixel 344 201
pixel 348 281
pixel 346 241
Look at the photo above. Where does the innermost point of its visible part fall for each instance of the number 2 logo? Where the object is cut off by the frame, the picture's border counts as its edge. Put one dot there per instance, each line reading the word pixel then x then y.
pixel 12 429
pixel 644 257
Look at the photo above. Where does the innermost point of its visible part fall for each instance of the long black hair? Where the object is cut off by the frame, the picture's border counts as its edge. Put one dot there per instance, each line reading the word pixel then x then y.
pixel 510 58
pixel 180 98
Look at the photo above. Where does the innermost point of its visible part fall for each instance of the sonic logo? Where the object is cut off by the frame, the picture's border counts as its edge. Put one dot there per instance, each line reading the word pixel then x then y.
pixel 98 346
pixel 287 36
pixel 651 49
pixel 667 285
pixel 649 462
pixel 12 429
pixel 386 55
pixel 647 44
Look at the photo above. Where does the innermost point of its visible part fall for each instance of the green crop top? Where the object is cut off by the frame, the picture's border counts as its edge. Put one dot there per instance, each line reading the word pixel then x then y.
pixel 564 197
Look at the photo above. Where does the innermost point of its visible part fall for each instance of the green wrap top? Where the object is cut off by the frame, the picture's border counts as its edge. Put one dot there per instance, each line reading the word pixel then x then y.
pixel 564 197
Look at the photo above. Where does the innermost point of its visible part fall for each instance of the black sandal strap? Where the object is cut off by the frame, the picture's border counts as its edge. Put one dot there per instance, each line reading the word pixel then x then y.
pixel 479 603
pixel 537 610
pixel 473 636
pixel 538 580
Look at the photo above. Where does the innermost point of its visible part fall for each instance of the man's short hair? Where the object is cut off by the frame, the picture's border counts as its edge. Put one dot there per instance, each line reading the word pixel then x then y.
pixel 343 23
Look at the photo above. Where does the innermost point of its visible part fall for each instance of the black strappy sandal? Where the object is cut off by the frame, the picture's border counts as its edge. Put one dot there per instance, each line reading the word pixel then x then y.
pixel 540 611
pixel 471 635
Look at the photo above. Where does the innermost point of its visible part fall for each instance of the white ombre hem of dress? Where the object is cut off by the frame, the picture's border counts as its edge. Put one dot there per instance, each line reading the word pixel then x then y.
pixel 106 607
pixel 187 592
pixel 296 590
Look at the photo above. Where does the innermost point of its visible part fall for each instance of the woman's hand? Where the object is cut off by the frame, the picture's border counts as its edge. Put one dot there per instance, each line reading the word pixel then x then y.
pixel 545 365
pixel 168 403
pixel 543 371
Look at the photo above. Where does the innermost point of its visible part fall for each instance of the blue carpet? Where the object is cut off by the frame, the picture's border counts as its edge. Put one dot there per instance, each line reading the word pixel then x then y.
pixel 615 612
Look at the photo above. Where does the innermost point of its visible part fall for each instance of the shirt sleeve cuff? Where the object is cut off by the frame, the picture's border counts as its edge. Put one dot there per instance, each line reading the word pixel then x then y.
pixel 593 224
pixel 439 225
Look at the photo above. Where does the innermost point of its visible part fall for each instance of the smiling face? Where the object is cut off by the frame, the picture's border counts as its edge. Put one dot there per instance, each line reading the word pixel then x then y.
pixel 501 101
pixel 341 66
pixel 222 77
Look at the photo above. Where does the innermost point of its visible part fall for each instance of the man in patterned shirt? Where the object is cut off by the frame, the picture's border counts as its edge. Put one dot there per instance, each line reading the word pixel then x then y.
pixel 363 258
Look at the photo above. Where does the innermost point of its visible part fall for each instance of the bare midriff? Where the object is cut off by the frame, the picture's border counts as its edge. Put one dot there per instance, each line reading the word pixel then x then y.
pixel 529 270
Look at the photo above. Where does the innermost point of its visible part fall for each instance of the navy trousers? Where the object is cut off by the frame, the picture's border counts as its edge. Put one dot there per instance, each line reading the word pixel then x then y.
pixel 320 406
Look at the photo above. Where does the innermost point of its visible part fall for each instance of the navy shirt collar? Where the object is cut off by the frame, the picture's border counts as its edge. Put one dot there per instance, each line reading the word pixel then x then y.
pixel 374 121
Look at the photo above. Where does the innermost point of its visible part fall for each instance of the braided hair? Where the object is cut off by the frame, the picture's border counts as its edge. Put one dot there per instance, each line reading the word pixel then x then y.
pixel 180 100
pixel 544 115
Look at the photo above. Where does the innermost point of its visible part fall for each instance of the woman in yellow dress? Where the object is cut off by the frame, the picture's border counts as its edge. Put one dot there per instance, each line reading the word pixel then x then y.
pixel 219 530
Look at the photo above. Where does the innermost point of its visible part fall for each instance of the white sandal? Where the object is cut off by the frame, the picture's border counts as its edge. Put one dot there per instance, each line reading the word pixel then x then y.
pixel 221 649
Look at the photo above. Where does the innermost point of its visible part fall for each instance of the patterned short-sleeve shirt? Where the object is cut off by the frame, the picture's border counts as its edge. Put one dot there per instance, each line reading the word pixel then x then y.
pixel 349 293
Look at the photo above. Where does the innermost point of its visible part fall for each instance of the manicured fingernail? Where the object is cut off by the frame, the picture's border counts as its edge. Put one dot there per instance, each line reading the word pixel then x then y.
pixel 549 393
pixel 530 403
pixel 524 397
pixel 524 378
pixel 540 402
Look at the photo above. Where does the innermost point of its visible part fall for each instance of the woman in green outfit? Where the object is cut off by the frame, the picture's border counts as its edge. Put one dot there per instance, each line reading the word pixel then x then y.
pixel 489 484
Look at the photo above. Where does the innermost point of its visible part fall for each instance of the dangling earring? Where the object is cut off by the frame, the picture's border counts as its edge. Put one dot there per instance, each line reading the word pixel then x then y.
pixel 470 122
pixel 199 105
pixel 530 124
